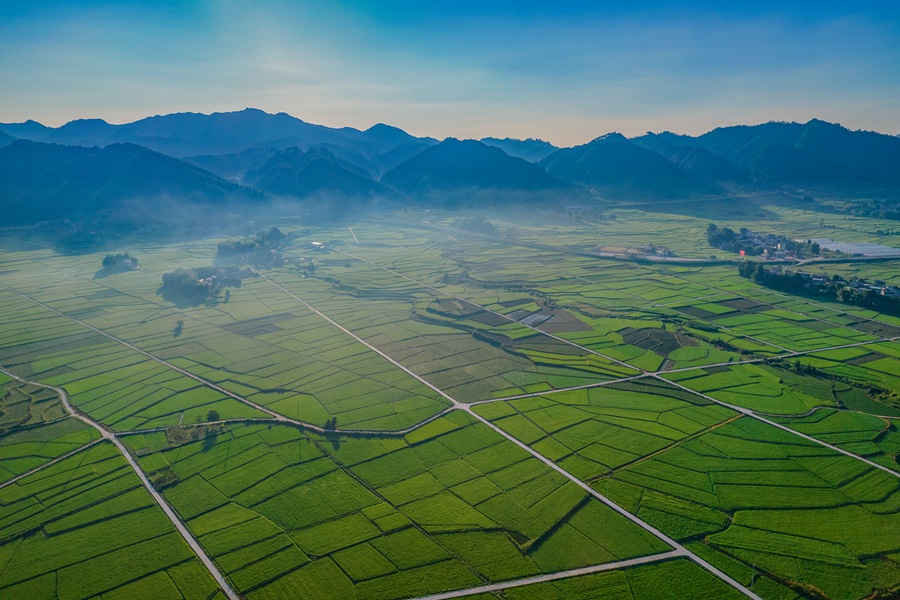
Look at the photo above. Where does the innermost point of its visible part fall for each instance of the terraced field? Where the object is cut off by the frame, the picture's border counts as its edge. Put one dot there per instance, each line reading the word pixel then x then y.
pixel 419 412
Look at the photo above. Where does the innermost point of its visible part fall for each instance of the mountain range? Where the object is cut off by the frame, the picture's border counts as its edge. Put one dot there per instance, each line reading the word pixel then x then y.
pixel 88 167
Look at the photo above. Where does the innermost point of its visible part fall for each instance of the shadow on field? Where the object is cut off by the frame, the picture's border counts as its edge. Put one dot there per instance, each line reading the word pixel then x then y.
pixel 186 299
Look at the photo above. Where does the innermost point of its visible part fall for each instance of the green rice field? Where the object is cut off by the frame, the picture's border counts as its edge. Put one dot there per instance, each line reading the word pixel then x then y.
pixel 416 410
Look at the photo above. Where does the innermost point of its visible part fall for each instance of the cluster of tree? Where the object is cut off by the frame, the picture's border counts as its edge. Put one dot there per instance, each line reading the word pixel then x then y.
pixel 725 238
pixel 195 285
pixel 330 424
pixel 874 209
pixel 262 248
pixel 754 244
pixel 835 287
pixel 475 224
pixel 119 263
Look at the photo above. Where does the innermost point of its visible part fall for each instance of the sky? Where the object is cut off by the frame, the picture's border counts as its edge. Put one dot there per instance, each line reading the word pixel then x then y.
pixel 467 69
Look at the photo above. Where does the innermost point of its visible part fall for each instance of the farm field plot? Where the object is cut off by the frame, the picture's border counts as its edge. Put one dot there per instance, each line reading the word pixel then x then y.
pixel 643 343
pixel 451 505
pixel 665 288
pixel 770 324
pixel 469 358
pixel 875 438
pixel 293 362
pixel 873 364
pixel 35 428
pixel 114 384
pixel 760 388
pixel 594 431
pixel 779 391
pixel 753 500
pixel 85 527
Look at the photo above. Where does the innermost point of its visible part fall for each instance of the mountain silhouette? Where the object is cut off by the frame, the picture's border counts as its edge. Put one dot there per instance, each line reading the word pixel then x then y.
pixel 194 134
pixel 49 181
pixel 809 153
pixel 468 172
pixel 615 167
pixel 301 174
pixel 531 150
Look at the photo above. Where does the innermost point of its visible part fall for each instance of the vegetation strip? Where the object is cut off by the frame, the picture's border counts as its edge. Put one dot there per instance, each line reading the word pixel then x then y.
pixel 157 497
pixel 504 585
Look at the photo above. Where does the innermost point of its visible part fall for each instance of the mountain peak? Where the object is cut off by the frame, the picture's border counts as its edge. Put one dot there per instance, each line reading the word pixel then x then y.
pixel 613 136
pixel 468 172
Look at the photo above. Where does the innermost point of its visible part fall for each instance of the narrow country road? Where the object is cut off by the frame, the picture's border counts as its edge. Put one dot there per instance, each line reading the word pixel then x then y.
pixel 160 501
pixel 505 585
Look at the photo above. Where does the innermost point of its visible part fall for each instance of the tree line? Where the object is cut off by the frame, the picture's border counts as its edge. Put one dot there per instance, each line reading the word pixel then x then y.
pixel 833 288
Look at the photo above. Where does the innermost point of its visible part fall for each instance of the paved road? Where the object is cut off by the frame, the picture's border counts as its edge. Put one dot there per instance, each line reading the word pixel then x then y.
pixel 504 585
pixel 163 504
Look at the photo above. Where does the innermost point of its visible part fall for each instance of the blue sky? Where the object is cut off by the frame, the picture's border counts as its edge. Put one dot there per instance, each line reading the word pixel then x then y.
pixel 464 68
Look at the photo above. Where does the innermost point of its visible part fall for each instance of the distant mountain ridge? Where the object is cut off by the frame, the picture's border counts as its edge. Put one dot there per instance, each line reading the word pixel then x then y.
pixel 89 165
pixel 41 181
pixel 531 149
pixel 191 134
pixel 811 153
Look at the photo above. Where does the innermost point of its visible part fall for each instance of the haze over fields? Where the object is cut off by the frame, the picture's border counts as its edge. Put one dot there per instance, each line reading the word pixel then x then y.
pixel 431 300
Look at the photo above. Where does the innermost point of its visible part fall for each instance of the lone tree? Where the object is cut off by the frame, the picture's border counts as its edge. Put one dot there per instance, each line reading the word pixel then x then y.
pixel 213 416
